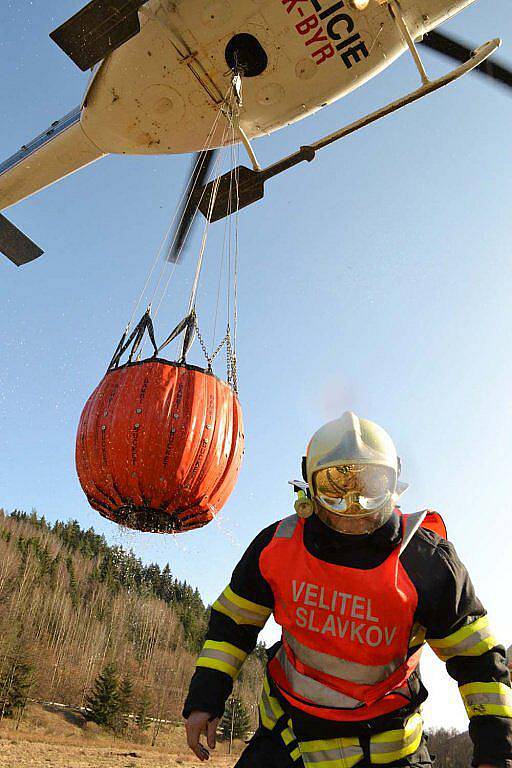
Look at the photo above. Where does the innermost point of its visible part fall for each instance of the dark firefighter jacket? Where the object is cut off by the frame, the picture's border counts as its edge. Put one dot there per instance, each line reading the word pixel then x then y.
pixel 446 604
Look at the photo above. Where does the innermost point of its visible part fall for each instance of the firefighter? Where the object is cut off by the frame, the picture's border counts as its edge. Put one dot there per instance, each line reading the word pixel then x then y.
pixel 358 588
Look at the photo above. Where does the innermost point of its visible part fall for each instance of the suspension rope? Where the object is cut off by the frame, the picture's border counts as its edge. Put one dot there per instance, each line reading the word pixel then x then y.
pixel 227 244
pixel 159 253
pixel 232 112
pixel 168 281
pixel 162 271
pixel 188 194
pixel 228 269
pixel 185 196
pixel 236 165
pixel 219 282
pixel 234 121
pixel 216 172
pixel 200 260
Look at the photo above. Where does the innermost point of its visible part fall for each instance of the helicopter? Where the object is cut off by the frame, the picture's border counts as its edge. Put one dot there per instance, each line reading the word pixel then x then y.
pixel 159 72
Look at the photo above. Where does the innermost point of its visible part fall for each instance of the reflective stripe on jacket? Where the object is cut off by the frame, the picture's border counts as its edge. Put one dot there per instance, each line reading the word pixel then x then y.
pixel 384 748
pixel 473 639
pixel 224 657
pixel 242 611
pixel 346 653
pixel 482 699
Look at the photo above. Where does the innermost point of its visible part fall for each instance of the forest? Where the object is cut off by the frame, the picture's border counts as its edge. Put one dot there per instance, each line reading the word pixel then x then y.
pixel 73 606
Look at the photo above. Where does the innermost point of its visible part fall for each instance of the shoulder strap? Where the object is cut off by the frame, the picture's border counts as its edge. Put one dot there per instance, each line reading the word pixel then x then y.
pixel 287 527
pixel 410 524
pixel 434 522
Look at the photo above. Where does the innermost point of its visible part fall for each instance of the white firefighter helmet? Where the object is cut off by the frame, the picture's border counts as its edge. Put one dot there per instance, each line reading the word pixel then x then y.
pixel 352 471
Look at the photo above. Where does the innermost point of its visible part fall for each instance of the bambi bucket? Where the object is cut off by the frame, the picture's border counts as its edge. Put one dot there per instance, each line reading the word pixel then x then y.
pixel 159 446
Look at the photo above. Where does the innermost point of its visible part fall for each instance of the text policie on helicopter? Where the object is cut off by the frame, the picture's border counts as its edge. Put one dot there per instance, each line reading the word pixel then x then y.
pixel 317 37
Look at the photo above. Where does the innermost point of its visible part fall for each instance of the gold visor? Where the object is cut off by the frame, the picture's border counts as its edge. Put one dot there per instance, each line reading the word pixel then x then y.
pixel 353 489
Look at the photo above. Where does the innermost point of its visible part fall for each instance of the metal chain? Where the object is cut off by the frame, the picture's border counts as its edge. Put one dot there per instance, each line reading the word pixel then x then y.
pixel 232 373
pixel 209 358
pixel 232 363
pixel 231 110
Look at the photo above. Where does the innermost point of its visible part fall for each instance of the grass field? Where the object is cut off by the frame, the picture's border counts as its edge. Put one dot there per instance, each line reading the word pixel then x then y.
pixel 49 738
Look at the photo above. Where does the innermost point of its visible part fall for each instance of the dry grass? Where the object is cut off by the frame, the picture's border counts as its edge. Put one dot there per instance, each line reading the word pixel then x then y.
pixel 62 739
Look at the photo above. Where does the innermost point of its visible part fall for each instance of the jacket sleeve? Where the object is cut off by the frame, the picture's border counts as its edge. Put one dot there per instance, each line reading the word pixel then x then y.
pixel 237 617
pixel 460 634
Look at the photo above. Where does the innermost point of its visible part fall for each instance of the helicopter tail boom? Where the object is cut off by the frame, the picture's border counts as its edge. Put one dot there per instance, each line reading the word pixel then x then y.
pixel 54 154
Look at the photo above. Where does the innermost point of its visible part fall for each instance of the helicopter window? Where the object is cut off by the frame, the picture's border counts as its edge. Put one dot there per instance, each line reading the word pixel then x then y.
pixel 245 53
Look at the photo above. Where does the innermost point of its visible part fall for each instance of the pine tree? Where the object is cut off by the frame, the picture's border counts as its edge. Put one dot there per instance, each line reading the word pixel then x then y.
pixel 15 685
pixel 73 584
pixel 142 713
pixel 104 701
pixel 125 704
pixel 235 722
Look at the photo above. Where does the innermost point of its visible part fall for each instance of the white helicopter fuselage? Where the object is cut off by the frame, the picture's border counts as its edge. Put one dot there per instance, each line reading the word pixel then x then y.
pixel 159 92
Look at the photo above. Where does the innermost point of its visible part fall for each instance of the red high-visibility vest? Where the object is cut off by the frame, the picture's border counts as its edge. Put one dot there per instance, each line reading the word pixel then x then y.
pixel 347 633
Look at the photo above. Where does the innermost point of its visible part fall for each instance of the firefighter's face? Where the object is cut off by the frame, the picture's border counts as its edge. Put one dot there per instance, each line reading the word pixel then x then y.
pixel 353 526
pixel 354 499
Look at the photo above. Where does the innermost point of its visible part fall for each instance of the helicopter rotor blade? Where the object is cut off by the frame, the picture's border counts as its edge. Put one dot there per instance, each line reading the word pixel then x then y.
pixel 200 170
pixel 14 244
pixel 455 49
pixel 98 29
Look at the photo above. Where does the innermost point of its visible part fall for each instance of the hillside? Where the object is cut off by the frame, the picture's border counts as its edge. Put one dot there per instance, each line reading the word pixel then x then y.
pixel 70 603
pixel 60 738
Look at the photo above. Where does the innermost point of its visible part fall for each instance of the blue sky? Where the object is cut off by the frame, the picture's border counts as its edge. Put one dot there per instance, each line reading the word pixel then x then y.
pixel 377 278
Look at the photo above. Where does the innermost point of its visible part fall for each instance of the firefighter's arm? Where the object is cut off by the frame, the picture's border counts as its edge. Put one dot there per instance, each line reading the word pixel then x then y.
pixel 237 617
pixel 461 636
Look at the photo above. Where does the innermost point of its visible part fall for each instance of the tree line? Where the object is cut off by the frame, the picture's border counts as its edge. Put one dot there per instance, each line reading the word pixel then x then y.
pixel 78 614
pixel 449 748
